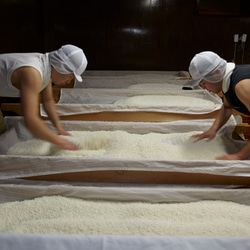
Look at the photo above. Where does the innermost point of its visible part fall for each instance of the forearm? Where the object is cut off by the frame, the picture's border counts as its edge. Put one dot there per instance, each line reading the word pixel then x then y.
pixel 222 117
pixel 38 128
pixel 29 86
pixel 244 153
pixel 50 109
pixel 36 125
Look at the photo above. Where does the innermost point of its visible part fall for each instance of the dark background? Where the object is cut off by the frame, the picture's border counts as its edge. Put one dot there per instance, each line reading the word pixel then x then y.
pixel 127 34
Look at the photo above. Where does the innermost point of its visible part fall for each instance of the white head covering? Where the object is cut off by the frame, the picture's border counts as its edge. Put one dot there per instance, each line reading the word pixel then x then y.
pixel 69 59
pixel 208 66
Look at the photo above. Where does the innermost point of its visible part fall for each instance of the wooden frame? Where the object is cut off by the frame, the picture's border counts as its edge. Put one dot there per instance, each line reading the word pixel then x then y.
pixel 141 177
pixel 140 116
pixel 144 177
pixel 134 116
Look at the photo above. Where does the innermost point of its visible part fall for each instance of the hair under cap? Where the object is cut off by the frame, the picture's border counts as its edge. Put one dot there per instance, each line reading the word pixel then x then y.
pixel 208 66
pixel 69 59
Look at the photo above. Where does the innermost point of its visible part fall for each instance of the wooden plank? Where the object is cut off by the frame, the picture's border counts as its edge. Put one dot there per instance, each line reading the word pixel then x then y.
pixel 138 116
pixel 145 177
pixel 135 116
pixel 242 128
pixel 12 107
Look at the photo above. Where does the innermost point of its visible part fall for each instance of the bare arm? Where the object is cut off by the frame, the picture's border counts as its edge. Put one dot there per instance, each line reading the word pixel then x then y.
pixel 242 91
pixel 222 117
pixel 224 114
pixel 28 80
pixel 50 109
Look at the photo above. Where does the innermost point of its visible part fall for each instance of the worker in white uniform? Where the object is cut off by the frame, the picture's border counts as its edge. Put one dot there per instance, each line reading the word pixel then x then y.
pixel 27 75
pixel 215 74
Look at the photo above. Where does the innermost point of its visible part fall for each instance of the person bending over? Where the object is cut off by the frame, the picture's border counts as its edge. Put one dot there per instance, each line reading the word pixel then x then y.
pixel 26 75
pixel 215 74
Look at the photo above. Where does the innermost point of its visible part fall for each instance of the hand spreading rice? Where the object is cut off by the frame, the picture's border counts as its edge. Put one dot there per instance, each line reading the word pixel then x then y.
pixel 121 144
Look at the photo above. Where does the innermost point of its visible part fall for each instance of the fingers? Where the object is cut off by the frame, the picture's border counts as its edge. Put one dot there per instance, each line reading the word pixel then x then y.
pixel 199 137
pixel 202 136
pixel 70 145
pixel 221 158
pixel 229 157
pixel 64 133
pixel 74 147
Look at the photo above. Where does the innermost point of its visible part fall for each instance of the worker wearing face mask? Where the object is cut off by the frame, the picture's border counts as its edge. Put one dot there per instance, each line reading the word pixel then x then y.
pixel 27 75
pixel 215 74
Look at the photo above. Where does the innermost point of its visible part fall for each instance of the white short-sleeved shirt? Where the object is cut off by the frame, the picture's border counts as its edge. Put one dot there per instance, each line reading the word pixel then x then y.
pixel 13 61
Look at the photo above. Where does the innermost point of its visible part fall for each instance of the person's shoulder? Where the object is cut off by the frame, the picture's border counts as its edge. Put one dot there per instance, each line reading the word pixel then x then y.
pixel 7 56
pixel 27 73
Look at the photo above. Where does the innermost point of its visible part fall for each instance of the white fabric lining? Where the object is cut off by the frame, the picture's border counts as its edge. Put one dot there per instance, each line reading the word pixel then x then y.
pixel 17 166
pixel 125 79
pixel 16 241
pixel 17 190
pixel 81 101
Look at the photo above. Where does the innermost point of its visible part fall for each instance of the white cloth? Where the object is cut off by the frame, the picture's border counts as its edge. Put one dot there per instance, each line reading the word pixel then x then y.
pixel 125 79
pixel 10 62
pixel 108 242
pixel 24 166
pixel 14 190
pixel 81 101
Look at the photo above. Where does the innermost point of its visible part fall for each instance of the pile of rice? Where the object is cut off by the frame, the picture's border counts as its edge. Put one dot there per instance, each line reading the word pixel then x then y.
pixel 165 100
pixel 121 144
pixel 61 215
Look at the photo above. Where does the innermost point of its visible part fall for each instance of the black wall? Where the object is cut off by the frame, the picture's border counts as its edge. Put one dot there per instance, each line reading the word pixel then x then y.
pixel 127 34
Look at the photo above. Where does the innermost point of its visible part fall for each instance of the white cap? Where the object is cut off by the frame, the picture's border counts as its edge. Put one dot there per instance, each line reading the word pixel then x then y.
pixel 69 59
pixel 208 66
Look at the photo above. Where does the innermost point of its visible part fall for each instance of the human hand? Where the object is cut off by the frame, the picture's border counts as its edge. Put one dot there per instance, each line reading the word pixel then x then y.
pixel 63 132
pixel 208 134
pixel 230 157
pixel 65 144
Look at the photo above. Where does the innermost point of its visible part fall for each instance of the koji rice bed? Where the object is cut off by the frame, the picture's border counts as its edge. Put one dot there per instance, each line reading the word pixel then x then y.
pixel 121 144
pixel 58 214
